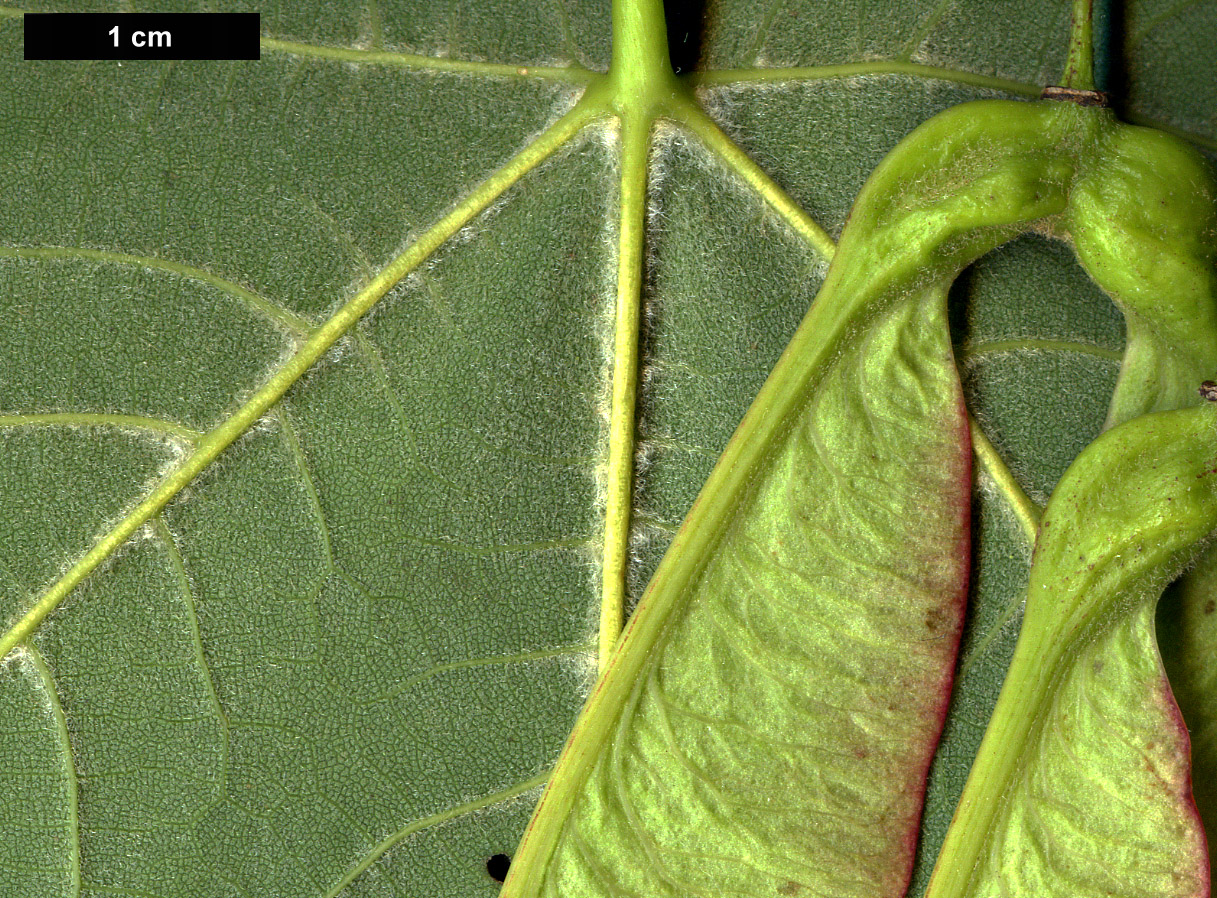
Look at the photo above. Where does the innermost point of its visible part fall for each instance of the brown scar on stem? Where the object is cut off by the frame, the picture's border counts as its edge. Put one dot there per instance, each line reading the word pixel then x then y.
pixel 1208 390
pixel 1073 95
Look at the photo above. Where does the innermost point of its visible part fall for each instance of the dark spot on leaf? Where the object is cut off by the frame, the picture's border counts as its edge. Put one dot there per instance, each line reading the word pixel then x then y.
pixel 1210 606
pixel 790 888
pixel 497 866
pixel 1208 390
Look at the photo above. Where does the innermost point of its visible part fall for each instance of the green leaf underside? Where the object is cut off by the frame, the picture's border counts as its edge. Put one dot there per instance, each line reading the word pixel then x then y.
pixel 1082 786
pixel 278 745
pixel 185 210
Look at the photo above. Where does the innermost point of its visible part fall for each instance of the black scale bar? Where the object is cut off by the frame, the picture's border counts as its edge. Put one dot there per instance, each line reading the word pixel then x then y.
pixel 142 35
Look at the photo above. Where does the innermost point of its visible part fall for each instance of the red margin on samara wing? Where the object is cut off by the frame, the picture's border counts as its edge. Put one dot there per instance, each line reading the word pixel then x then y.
pixel 963 557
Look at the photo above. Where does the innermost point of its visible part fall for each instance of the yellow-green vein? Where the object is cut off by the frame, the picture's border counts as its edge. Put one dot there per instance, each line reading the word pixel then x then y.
pixel 540 545
pixel 93 419
pixel 692 117
pixel 196 637
pixel 285 318
pixel 434 820
pixel 923 29
pixel 982 646
pixel 853 69
pixel 762 32
pixel 639 84
pixel 732 77
pixel 572 75
pixel 1025 511
pixel 619 487
pixel 65 751
pixel 312 349
pixel 1165 14
pixel 310 487
pixel 973 351
pixel 561 651
pixel 152 103
pixel 375 25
